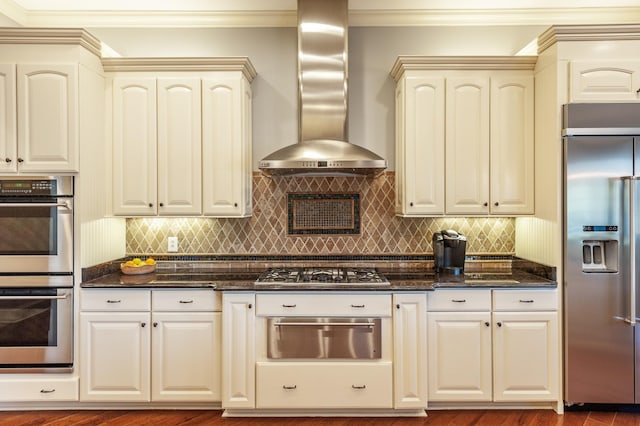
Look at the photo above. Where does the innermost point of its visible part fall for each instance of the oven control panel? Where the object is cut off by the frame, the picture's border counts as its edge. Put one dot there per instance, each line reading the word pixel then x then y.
pixel 27 187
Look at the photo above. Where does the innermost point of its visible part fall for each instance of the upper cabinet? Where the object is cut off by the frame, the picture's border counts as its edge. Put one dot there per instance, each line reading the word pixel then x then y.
pixel 181 136
pixel 48 81
pixel 602 80
pixel 464 129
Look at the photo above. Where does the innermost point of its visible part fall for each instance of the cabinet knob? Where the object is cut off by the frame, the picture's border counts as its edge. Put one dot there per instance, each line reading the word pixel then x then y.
pixel 161 204
pixel 638 91
pixel 499 324
pixel 143 325
pixel 7 160
pixel 150 204
pixel 235 204
pixel 411 204
pixel 486 323
pixel 398 306
pixel 249 306
pixel 20 160
pixel 485 204
pixel 496 204
pixel 155 324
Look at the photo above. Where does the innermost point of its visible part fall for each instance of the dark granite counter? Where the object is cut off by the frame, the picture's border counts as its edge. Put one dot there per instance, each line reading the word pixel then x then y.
pixel 245 281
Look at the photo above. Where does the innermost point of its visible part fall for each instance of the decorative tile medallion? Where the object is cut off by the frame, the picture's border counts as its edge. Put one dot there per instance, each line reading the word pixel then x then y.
pixel 266 232
pixel 323 214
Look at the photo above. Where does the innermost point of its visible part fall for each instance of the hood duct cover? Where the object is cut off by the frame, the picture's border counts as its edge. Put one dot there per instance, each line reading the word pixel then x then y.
pixel 323 99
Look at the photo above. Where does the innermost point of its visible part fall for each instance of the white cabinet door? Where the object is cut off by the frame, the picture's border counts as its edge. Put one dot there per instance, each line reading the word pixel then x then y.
pixel 186 356
pixel 238 350
pixel 525 356
pixel 459 356
pixel 179 146
pixel 47 99
pixel 226 150
pixel 604 81
pixel 134 146
pixel 8 129
pixel 115 356
pixel 420 143
pixel 512 149
pixel 410 350
pixel 467 145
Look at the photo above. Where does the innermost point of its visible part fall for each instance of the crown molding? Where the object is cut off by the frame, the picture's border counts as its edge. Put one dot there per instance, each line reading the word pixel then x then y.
pixel 424 63
pixel 287 18
pixel 51 36
pixel 559 33
pixel 222 63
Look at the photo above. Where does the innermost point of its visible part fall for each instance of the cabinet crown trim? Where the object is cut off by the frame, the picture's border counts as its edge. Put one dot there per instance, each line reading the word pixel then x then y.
pixel 64 36
pixel 222 63
pixel 613 32
pixel 424 63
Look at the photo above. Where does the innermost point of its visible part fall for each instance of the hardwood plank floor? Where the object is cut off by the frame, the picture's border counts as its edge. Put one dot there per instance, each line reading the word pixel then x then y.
pixel 213 418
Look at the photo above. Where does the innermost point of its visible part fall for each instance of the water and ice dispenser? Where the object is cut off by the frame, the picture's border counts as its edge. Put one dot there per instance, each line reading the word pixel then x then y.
pixel 600 256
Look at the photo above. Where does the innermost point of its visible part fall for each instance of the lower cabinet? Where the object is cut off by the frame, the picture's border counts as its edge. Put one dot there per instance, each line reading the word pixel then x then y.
pixel 38 389
pixel 493 345
pixel 149 345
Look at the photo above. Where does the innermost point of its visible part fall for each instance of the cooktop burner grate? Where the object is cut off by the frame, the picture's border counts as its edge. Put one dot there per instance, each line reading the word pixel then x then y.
pixel 322 276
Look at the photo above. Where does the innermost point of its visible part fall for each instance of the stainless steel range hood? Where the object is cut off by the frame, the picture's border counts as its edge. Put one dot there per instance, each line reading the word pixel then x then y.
pixel 322 98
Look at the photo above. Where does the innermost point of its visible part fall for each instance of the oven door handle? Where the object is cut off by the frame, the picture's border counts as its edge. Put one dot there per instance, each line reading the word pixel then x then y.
pixel 64 204
pixel 323 324
pixel 64 296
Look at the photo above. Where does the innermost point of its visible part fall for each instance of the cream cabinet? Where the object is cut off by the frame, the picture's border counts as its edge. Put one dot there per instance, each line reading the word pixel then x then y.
pixel 39 117
pixel 410 350
pixel 238 356
pixel 464 136
pixel 593 81
pixel 493 345
pixel 181 139
pixel 37 388
pixel 143 345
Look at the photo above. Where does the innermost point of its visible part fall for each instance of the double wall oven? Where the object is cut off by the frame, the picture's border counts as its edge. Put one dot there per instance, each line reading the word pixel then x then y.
pixel 36 274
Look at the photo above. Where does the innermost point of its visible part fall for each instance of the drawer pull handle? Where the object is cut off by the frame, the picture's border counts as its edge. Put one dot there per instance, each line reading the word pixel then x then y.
pixel 47 390
pixel 289 387
pixel 359 386
pixel 288 306
pixel 357 306
pixel 459 300
pixel 114 301
pixel 186 301
pixel 526 300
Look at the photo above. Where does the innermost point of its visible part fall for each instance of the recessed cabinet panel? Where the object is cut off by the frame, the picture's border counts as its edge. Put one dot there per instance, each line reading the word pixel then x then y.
pixel 467 145
pixel 604 81
pixel 134 146
pixel 512 147
pixel 8 130
pixel 47 118
pixel 179 146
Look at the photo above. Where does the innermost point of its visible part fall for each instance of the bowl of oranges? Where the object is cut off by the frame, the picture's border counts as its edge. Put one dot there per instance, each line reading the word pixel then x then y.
pixel 137 266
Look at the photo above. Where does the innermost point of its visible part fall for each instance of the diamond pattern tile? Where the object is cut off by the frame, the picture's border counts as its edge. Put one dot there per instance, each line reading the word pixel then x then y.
pixel 266 231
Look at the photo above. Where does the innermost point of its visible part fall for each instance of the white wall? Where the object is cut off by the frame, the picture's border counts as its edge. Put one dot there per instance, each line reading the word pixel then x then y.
pixel 372 52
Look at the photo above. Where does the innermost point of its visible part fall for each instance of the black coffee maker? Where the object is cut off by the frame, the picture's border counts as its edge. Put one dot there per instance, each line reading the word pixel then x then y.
pixel 449 249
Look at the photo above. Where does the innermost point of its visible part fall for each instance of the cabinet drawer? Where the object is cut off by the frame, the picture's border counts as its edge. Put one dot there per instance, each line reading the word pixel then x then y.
pixel 185 300
pixel 525 300
pixel 115 300
pixel 364 305
pixel 324 385
pixel 459 300
pixel 39 390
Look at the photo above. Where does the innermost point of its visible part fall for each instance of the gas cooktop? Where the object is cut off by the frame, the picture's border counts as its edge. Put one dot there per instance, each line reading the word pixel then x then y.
pixel 322 276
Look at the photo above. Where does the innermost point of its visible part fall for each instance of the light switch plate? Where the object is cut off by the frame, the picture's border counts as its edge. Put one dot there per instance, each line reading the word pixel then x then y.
pixel 172 244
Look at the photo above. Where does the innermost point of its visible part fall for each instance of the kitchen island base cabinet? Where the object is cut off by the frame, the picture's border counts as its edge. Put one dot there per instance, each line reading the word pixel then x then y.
pixel 142 345
pixel 328 385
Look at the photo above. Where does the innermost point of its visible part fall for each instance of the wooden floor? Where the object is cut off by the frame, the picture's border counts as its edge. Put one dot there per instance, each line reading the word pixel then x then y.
pixel 213 418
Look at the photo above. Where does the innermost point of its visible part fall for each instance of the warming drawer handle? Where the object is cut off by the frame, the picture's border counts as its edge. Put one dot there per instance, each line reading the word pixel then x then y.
pixel 64 296
pixel 323 324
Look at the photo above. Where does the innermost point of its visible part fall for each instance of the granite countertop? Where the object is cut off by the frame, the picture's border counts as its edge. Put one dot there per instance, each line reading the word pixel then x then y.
pixel 424 280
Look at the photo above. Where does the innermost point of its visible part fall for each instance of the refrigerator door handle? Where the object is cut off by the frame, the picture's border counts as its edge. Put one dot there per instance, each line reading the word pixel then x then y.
pixel 631 182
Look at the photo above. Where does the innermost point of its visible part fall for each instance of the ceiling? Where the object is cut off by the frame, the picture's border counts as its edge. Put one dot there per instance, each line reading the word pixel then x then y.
pixel 281 13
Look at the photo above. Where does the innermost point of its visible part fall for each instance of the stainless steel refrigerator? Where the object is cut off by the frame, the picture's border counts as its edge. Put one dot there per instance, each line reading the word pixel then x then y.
pixel 601 252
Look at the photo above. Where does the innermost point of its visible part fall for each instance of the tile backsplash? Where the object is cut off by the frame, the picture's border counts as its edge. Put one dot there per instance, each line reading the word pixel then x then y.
pixel 265 233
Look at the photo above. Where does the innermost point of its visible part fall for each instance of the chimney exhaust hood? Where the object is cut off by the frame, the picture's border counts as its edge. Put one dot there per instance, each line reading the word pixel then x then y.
pixel 322 98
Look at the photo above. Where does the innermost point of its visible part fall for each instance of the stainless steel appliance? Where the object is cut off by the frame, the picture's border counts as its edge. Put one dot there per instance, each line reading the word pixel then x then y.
pixel 36 224
pixel 322 276
pixel 449 250
pixel 36 274
pixel 601 252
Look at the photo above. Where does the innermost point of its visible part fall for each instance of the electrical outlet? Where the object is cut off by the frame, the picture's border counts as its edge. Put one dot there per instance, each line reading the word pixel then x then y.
pixel 172 244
